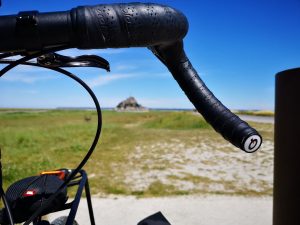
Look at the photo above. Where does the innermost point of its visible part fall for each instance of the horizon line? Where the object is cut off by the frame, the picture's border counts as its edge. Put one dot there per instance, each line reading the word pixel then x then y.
pixel 110 108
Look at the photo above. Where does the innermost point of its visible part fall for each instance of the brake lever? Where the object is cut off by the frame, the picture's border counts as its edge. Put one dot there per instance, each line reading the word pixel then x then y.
pixel 57 60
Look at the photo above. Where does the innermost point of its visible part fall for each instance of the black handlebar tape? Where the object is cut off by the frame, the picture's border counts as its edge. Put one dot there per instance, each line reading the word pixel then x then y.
pixel 128 25
pixel 90 27
pixel 232 128
pixel 34 31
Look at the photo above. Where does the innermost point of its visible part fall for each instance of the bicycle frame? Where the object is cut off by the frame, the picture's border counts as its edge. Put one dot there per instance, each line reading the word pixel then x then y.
pixel 82 182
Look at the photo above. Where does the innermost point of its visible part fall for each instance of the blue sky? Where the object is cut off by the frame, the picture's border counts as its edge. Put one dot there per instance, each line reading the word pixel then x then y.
pixel 236 47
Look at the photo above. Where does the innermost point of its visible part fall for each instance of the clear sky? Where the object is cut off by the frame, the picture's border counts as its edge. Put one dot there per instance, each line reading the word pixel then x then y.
pixel 236 46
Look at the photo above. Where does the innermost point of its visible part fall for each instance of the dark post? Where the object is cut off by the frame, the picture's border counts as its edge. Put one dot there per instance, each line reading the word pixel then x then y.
pixel 0 168
pixel 287 149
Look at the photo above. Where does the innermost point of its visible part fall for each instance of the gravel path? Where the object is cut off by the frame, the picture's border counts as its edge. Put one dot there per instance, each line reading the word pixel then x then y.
pixel 258 119
pixel 183 210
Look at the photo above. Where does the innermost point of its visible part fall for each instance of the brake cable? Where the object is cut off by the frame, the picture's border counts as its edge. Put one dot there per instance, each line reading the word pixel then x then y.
pixel 49 60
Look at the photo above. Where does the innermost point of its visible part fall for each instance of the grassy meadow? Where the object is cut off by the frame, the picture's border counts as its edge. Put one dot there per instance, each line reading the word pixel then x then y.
pixel 152 153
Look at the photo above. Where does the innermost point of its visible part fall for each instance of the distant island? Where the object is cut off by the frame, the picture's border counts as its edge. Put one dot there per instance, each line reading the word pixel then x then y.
pixel 130 104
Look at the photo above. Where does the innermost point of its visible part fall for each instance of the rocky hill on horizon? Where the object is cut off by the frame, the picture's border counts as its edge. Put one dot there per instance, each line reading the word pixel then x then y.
pixel 130 104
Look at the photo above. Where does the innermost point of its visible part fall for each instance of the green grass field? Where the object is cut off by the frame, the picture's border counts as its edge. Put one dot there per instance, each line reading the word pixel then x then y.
pixel 144 154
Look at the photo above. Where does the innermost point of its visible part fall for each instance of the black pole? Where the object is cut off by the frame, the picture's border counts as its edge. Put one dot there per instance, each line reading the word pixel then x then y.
pixel 287 149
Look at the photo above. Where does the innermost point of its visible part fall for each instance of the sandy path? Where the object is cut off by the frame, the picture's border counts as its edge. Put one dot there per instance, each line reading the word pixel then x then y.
pixel 191 210
pixel 258 119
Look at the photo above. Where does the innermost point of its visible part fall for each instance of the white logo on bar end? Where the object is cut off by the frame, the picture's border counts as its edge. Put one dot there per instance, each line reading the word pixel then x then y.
pixel 252 143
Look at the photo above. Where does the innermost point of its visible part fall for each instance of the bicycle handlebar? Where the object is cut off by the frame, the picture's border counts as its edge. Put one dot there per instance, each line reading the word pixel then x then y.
pixel 159 27
pixel 91 27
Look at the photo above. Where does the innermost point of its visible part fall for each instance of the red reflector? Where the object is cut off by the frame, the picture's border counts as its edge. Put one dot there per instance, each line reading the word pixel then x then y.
pixel 29 193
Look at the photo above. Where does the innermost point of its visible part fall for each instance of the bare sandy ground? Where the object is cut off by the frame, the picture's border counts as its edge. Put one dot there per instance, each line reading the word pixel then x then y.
pixel 201 166
pixel 183 210
pixel 259 119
